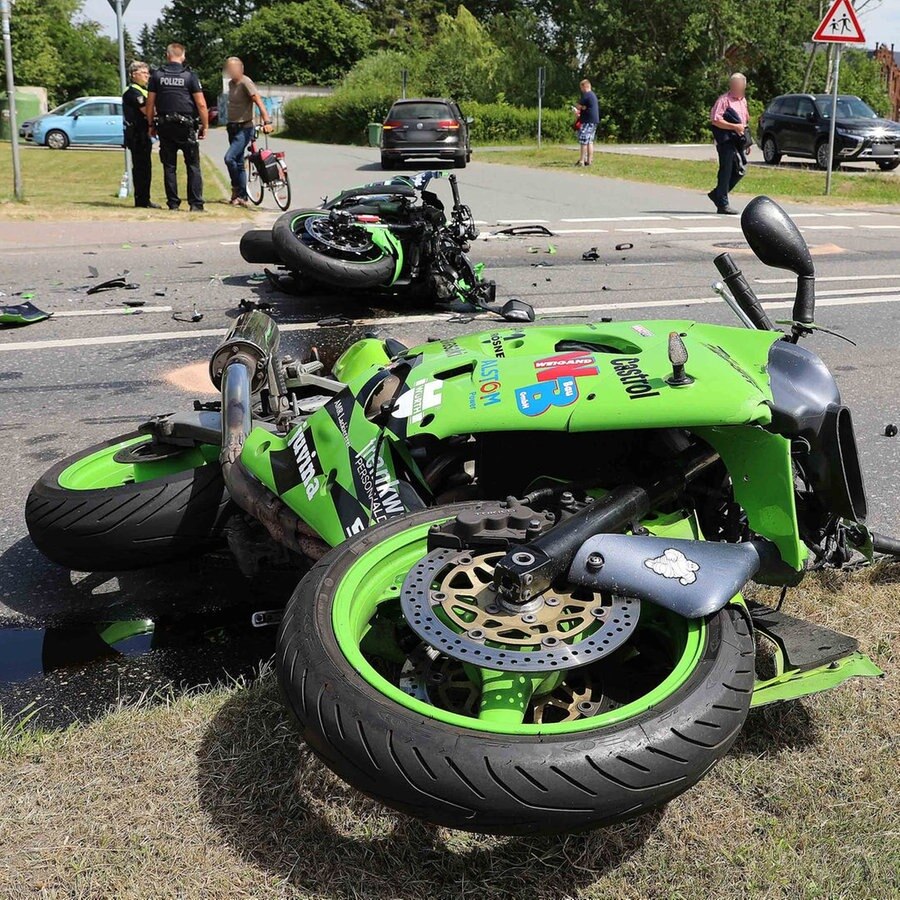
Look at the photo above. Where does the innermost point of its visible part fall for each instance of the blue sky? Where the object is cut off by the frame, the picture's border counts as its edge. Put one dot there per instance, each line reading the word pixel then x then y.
pixel 881 24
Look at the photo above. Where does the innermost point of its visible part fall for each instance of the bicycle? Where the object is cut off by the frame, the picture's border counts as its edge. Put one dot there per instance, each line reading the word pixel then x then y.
pixel 267 169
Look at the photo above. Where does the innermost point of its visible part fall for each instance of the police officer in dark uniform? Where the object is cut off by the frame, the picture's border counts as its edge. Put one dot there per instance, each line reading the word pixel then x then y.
pixel 137 133
pixel 177 111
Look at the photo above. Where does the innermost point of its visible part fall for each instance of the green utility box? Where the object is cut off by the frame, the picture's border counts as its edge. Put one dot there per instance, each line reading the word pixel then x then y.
pixel 374 129
pixel 28 106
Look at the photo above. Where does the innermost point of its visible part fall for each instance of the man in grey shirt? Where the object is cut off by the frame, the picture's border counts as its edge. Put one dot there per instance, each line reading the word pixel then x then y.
pixel 242 97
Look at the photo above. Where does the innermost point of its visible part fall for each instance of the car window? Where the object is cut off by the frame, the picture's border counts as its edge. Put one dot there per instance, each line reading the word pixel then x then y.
pixel 64 109
pixel 789 106
pixel 775 107
pixel 805 107
pixel 847 108
pixel 406 111
pixel 95 109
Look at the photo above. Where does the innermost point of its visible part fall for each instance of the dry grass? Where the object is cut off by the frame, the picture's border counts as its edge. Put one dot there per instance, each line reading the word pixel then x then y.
pixel 84 184
pixel 211 796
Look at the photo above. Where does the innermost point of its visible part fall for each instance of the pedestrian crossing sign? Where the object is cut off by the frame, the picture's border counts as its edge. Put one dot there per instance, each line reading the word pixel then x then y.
pixel 840 25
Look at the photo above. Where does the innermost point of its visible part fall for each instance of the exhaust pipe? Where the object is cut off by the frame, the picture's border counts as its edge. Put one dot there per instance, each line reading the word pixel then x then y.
pixel 239 368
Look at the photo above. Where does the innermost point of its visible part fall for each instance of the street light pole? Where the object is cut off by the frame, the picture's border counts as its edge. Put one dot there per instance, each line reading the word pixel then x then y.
pixel 831 126
pixel 11 99
pixel 119 7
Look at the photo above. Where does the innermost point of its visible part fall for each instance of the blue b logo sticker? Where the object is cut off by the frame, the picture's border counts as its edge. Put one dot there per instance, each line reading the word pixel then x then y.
pixel 538 398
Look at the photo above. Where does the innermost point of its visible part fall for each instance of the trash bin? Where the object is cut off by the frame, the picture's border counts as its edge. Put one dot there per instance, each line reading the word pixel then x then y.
pixel 374 129
pixel 28 106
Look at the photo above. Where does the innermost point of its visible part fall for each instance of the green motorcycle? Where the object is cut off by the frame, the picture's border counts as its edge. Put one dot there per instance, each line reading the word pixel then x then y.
pixel 525 548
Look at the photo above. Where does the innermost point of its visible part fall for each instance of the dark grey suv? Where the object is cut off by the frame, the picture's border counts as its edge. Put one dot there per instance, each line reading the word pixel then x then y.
pixel 423 129
pixel 798 125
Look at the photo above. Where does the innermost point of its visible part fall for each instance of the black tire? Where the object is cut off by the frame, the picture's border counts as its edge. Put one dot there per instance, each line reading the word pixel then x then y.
pixel 888 165
pixel 822 157
pixel 387 163
pixel 56 139
pixel 461 161
pixel 127 527
pixel 494 783
pixel 255 187
pixel 770 151
pixel 297 255
pixel 281 193
pixel 258 247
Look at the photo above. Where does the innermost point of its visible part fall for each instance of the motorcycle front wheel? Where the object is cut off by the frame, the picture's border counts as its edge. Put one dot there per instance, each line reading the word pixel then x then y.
pixel 338 255
pixel 125 504
pixel 413 728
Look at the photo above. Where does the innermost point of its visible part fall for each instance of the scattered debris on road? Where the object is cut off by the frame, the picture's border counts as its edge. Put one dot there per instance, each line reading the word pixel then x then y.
pixel 249 305
pixel 625 246
pixel 890 430
pixel 195 316
pixel 524 231
pixel 22 314
pixel 112 284
pixel 591 255
pixel 334 321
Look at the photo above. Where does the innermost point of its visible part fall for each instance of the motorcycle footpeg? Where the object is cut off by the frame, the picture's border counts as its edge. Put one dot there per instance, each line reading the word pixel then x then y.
pixel 265 617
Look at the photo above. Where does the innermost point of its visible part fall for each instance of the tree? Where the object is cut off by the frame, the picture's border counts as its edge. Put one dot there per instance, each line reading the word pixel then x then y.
pixel 316 42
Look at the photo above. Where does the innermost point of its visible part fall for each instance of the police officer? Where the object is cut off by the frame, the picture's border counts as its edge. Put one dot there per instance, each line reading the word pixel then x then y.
pixel 177 111
pixel 137 133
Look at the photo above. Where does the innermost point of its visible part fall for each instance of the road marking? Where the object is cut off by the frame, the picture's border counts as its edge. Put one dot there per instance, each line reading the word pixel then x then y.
pixel 125 311
pixel 849 215
pixel 619 219
pixel 229 243
pixel 710 229
pixel 820 278
pixel 880 226
pixel 523 221
pixel 774 302
pixel 581 230
pixel 827 228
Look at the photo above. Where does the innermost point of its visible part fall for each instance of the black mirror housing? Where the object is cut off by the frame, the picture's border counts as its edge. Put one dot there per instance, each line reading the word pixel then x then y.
pixel 777 242
pixel 517 311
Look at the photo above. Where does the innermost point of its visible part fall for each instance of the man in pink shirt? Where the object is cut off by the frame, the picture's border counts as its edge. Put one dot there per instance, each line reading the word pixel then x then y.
pixel 730 120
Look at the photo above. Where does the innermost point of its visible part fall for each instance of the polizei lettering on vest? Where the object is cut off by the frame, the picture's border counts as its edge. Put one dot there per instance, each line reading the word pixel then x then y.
pixel 636 382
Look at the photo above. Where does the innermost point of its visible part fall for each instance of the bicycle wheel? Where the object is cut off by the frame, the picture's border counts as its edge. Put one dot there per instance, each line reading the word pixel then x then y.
pixel 281 189
pixel 254 184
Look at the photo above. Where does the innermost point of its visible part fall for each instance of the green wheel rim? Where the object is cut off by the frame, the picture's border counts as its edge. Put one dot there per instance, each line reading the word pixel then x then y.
pixel 376 577
pixel 100 469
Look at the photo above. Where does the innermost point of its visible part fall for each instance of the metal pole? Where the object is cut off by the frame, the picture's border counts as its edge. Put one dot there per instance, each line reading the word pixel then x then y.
pixel 540 102
pixel 125 185
pixel 404 76
pixel 11 98
pixel 831 126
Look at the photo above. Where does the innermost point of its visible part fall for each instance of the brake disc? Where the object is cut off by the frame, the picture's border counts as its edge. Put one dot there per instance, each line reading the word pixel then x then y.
pixel 449 601
pixel 338 236
pixel 440 681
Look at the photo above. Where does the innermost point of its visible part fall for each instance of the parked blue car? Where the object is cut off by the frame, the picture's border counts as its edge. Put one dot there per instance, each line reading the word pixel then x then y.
pixel 87 120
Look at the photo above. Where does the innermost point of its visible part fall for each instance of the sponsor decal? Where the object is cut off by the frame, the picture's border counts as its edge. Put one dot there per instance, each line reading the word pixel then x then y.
pixel 452 348
pixel 643 332
pixel 674 564
pixel 575 365
pixel 376 481
pixel 308 465
pixel 497 345
pixel 414 404
pixel 636 382
pixel 489 383
pixel 355 528
pixel 536 399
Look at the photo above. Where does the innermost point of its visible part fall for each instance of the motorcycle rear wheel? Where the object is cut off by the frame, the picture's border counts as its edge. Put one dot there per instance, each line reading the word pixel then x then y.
pixel 116 506
pixel 302 255
pixel 458 770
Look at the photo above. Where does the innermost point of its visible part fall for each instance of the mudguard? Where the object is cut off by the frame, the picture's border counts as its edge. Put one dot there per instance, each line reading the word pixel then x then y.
pixel 691 578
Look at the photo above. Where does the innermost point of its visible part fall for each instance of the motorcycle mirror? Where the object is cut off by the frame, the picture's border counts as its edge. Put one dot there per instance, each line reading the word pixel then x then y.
pixel 517 311
pixel 777 242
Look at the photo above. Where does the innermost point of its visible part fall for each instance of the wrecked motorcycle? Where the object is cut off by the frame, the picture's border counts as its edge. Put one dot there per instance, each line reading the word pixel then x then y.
pixel 532 617
pixel 392 236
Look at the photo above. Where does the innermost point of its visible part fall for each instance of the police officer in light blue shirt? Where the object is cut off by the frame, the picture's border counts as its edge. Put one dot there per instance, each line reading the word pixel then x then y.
pixel 177 111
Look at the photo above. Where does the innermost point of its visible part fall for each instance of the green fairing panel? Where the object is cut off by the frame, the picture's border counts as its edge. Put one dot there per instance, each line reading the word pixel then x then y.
pixel 794 684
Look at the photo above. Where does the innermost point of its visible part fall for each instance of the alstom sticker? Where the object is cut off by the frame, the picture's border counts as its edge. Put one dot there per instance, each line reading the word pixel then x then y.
pixel 573 365
pixel 414 404
pixel 536 399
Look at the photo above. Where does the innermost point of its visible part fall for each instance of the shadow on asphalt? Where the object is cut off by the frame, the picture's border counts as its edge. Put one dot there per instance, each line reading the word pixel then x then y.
pixel 281 809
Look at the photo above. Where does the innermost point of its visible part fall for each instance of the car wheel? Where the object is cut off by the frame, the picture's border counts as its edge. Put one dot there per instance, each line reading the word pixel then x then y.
pixel 770 151
pixel 387 163
pixel 822 152
pixel 57 140
pixel 460 161
pixel 888 165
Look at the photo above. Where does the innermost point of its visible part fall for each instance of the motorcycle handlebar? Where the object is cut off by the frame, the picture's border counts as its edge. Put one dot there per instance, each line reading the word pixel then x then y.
pixel 743 293
pixel 454 186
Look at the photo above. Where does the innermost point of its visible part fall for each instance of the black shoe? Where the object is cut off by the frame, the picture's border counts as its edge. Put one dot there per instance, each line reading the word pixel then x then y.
pixel 147 206
pixel 728 211
pixel 197 209
pixel 712 197
pixel 174 208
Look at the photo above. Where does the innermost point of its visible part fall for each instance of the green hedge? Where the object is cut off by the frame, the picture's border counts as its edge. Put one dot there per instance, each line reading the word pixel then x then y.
pixel 342 119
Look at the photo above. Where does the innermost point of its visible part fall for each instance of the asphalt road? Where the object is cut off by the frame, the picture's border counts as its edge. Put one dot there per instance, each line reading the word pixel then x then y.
pixel 95 370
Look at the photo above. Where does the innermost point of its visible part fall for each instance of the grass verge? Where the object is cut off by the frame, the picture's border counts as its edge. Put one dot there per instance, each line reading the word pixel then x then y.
pixel 84 184
pixel 788 184
pixel 213 795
